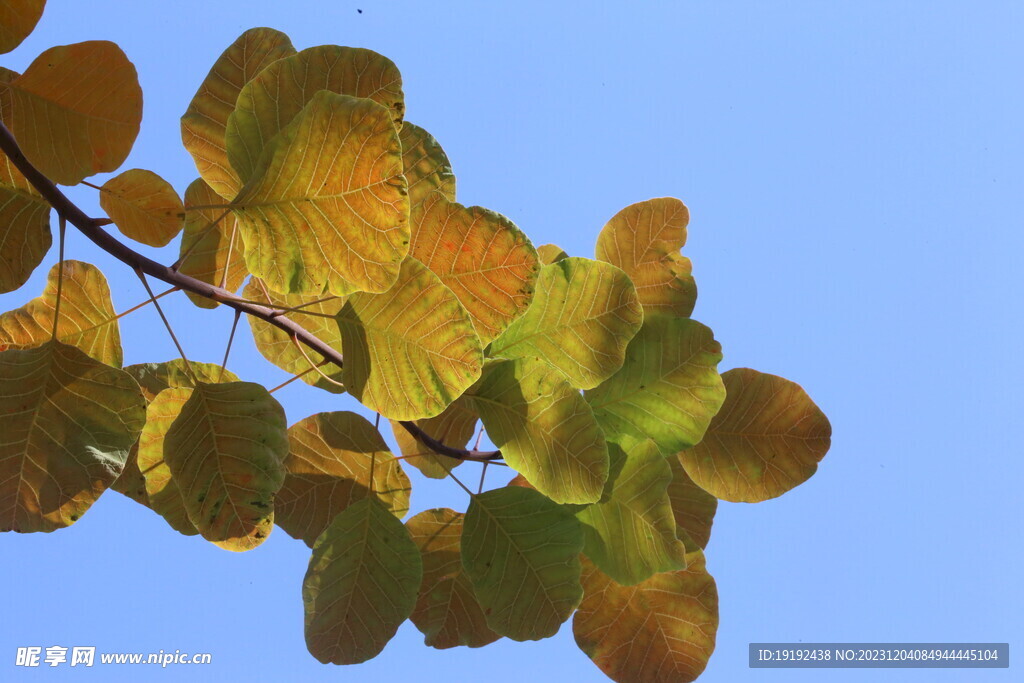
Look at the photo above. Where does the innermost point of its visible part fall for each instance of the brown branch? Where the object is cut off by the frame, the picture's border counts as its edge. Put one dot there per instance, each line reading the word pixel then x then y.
pixel 90 227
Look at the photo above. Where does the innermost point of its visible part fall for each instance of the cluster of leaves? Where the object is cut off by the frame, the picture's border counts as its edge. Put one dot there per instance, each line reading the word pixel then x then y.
pixel 336 214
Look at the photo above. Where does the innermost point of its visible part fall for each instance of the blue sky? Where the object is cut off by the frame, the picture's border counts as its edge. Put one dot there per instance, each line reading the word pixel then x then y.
pixel 854 175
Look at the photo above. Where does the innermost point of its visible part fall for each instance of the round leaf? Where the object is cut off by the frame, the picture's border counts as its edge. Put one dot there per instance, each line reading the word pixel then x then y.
pixel 17 19
pixel 210 246
pixel 551 253
pixel 143 206
pixel 453 427
pixel 693 507
pixel 427 168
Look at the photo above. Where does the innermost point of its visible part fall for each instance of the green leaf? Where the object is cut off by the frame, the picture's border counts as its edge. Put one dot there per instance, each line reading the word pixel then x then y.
pixel 210 244
pixel 24 226
pixel 693 507
pixel 361 584
pixel 89 97
pixel 143 206
pixel 331 458
pixel 521 552
pixel 669 387
pixel 155 377
pixel 453 427
pixel 316 315
pixel 17 19
pixel 275 96
pixel 644 240
pixel 631 533
pixel 204 124
pixel 481 256
pixel 662 630
pixel 226 451
pixel 326 205
pixel 67 422
pixel 87 318
pixel 411 351
pixel 582 317
pixel 427 168
pixel 544 428
pixel 447 611
pixel 551 253
pixel 767 439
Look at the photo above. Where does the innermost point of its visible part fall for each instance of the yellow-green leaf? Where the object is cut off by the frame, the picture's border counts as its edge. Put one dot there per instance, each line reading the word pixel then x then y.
pixel 411 351
pixel 644 240
pixel 226 451
pixel 211 247
pixel 521 553
pixel 660 631
pixel 693 507
pixel 331 458
pixel 270 101
pixel 131 482
pixel 669 387
pixel 315 314
pixel 76 110
pixel 453 427
pixel 427 168
pixel 544 428
pixel 67 422
pixel 143 206
pixel 155 377
pixel 204 125
pixel 447 611
pixel 768 438
pixel 582 317
pixel 17 19
pixel 361 584
pixel 481 256
pixel 631 533
pixel 326 206
pixel 24 226
pixel 551 253
pixel 87 318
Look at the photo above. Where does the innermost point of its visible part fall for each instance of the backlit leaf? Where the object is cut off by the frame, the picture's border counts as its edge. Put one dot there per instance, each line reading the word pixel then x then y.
pixel 447 611
pixel 67 422
pixel 316 316
pixel 76 110
pixel 210 244
pixel 544 428
pixel 226 451
pixel 204 125
pixel 326 206
pixel 669 387
pixel 644 240
pixel 361 584
pixel 411 351
pixel 582 317
pixel 143 206
pixel 693 507
pixel 87 318
pixel 481 256
pixel 427 168
pixel 17 19
pixel 155 377
pixel 768 438
pixel 631 533
pixel 453 427
pixel 550 253
pixel 24 226
pixel 521 553
pixel 270 101
pixel 662 630
pixel 330 459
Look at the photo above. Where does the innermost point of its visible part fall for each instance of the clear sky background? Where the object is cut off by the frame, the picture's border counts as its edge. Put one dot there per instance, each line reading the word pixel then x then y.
pixel 854 176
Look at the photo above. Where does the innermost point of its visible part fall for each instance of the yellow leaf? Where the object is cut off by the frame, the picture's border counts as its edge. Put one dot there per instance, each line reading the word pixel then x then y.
pixel 427 168
pixel 17 19
pixel 76 110
pixel 24 226
pixel 143 206
pixel 453 427
pixel 210 244
pixel 550 253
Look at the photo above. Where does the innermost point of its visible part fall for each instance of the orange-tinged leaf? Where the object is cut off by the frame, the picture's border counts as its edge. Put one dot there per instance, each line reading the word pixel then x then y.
pixel 17 19
pixel 427 168
pixel 269 102
pixel 447 611
pixel 644 240
pixel 143 206
pixel 693 507
pixel 211 246
pixel 67 422
pixel 76 110
pixel 768 437
pixel 204 124
pixel 87 318
pixel 330 460
pixel 453 427
pixel 659 631
pixel 478 254
pixel 24 225
pixel 551 253
pixel 326 206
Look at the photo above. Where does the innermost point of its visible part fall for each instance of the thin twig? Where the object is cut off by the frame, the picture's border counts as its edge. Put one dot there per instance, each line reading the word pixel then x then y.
pixel 231 338
pixel 167 324
pixel 291 379
pixel 315 366
pixel 483 471
pixel 176 266
pixel 227 261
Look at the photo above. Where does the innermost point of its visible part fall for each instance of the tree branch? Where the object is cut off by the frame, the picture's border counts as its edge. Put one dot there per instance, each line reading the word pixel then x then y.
pixel 90 227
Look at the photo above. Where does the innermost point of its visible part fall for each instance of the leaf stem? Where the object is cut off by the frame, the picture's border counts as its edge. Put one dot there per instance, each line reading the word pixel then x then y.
pixel 167 324
pixel 60 277
pixel 231 338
